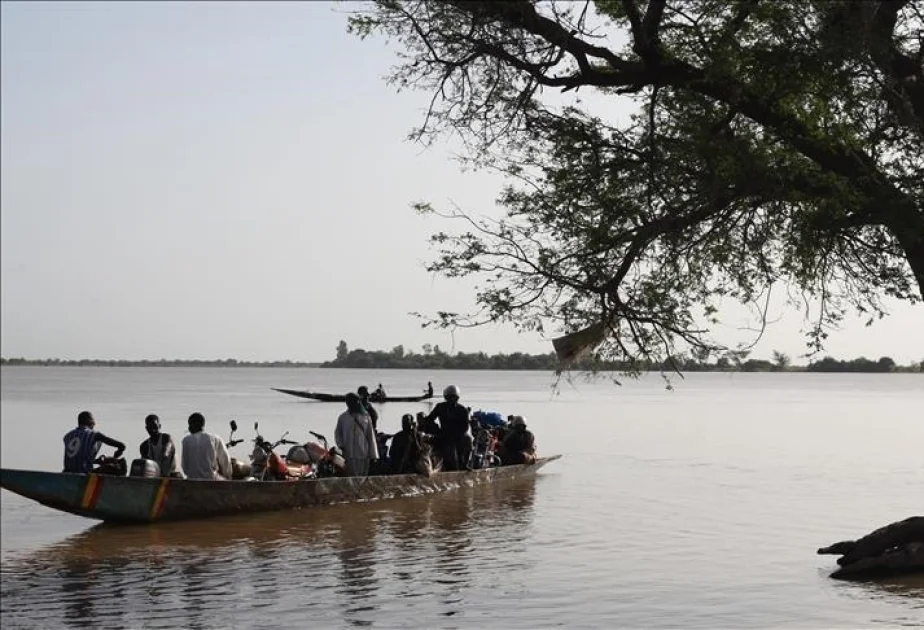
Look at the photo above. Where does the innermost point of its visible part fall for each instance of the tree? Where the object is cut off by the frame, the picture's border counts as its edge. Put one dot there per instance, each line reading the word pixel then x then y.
pixel 738 357
pixel 342 350
pixel 774 143
pixel 780 361
pixel 886 364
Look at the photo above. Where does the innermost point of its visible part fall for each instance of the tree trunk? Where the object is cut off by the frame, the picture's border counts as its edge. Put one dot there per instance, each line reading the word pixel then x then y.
pixel 907 225
pixel 914 253
pixel 897 548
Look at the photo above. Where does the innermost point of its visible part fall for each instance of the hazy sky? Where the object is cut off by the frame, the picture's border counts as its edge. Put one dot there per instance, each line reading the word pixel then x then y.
pixel 216 180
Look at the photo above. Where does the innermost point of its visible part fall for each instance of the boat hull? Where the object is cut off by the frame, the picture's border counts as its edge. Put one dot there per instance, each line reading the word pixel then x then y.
pixel 342 397
pixel 145 500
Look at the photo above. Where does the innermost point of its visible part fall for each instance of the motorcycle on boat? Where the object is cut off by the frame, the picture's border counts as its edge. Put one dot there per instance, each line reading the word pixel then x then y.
pixel 240 469
pixel 327 461
pixel 267 465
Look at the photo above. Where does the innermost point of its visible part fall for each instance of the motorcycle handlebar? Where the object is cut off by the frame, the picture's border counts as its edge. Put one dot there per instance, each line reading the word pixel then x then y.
pixel 272 446
pixel 232 443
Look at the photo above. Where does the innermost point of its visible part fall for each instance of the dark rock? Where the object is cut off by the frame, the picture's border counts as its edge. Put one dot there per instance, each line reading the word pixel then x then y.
pixel 897 548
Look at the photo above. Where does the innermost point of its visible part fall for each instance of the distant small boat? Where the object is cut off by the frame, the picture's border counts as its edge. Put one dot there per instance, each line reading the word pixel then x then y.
pixel 342 397
pixel 146 499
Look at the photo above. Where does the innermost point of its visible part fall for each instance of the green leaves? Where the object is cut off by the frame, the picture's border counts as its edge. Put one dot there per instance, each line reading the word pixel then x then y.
pixel 771 144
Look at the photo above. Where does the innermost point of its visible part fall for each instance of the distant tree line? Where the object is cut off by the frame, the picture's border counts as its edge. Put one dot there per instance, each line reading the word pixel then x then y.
pixel 154 363
pixel 433 357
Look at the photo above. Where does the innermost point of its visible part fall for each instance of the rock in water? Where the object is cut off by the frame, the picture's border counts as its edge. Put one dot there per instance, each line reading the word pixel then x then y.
pixel 896 549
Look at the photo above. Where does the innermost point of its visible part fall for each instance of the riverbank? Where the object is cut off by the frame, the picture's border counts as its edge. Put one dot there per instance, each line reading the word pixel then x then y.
pixel 497 363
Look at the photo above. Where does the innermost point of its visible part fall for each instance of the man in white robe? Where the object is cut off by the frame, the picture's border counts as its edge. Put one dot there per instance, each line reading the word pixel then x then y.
pixel 205 455
pixel 355 436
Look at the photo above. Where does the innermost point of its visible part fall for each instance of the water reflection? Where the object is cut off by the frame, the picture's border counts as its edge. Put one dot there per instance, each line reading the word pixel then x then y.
pixel 342 564
pixel 911 586
pixel 355 549
pixel 77 593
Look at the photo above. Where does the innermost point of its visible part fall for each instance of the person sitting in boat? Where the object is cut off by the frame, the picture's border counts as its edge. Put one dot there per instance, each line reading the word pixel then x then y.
pixel 455 433
pixel 429 427
pixel 399 445
pixel 363 393
pixel 159 448
pixel 355 436
pixel 519 444
pixel 380 466
pixel 82 444
pixel 411 450
pixel 205 455
pixel 379 393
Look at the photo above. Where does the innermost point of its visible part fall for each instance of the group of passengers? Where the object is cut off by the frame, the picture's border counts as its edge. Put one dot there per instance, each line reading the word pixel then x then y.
pixel 450 437
pixel 204 455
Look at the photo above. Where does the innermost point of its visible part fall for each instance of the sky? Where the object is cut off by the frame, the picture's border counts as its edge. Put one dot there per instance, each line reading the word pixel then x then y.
pixel 234 180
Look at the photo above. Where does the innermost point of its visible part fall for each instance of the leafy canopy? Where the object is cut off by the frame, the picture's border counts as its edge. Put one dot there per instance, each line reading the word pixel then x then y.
pixel 773 143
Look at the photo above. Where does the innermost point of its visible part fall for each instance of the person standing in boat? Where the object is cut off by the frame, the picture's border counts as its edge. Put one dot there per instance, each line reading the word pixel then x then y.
pixel 363 393
pixel 205 455
pixel 429 389
pixel 520 444
pixel 455 435
pixel 82 444
pixel 159 448
pixel 355 436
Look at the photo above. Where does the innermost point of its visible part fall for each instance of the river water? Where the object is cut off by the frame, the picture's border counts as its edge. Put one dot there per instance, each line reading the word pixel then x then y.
pixel 700 507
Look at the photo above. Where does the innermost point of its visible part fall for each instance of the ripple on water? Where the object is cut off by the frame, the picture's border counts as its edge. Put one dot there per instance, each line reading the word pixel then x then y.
pixel 667 511
pixel 345 563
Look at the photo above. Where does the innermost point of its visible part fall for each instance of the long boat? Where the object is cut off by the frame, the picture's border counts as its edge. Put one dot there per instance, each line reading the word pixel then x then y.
pixel 115 499
pixel 342 397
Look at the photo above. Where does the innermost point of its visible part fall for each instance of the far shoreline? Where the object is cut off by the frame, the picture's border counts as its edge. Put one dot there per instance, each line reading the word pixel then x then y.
pixel 835 367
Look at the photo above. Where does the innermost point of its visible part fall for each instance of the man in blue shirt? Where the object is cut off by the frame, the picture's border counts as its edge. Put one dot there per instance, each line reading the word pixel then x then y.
pixel 82 444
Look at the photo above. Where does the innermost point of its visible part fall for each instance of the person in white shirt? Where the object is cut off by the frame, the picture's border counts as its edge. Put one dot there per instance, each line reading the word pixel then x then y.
pixel 355 435
pixel 205 456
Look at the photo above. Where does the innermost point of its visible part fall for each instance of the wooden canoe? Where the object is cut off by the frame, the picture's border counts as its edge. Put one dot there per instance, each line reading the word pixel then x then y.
pixel 342 397
pixel 145 500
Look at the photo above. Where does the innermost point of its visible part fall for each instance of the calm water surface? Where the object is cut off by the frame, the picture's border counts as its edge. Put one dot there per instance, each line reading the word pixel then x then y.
pixel 697 508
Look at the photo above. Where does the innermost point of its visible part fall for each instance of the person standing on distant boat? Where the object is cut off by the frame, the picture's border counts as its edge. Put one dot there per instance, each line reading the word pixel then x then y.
pixel 82 444
pixel 363 393
pixel 429 389
pixel 205 455
pixel 159 448
pixel 355 436
pixel 455 435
